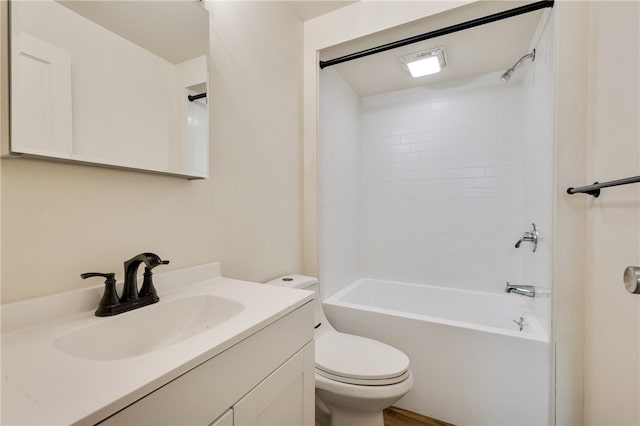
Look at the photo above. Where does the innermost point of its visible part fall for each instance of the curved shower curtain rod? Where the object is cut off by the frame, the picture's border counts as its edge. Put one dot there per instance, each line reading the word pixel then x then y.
pixel 443 31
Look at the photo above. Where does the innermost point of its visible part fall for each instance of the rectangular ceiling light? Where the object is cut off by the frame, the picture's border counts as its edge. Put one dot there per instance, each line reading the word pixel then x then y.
pixel 425 63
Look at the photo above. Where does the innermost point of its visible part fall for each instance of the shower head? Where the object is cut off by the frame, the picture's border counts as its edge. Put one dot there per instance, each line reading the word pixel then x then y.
pixel 507 74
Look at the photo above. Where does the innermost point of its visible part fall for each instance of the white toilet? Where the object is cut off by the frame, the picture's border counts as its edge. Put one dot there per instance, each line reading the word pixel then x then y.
pixel 356 377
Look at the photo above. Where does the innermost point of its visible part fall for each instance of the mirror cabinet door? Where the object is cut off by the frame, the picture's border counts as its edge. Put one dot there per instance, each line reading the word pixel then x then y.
pixel 119 84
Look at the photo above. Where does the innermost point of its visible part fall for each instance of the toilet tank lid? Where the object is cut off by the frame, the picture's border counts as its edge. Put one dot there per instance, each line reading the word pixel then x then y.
pixel 294 281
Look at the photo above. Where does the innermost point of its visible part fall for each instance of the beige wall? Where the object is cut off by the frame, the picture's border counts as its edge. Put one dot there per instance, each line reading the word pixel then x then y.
pixel 4 104
pixel 257 131
pixel 569 211
pixel 612 347
pixel 59 220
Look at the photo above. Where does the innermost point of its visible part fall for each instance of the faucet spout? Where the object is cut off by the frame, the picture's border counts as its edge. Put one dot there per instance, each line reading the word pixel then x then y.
pixel 130 289
pixel 524 290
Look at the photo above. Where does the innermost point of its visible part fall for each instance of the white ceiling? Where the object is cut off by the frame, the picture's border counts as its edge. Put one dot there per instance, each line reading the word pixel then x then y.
pixel 309 9
pixel 487 48
pixel 175 30
pixel 178 30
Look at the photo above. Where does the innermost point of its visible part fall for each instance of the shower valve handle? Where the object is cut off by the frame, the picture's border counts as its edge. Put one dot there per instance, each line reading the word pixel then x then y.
pixel 531 237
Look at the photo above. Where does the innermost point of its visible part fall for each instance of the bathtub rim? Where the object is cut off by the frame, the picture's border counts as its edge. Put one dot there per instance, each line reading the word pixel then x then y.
pixel 535 331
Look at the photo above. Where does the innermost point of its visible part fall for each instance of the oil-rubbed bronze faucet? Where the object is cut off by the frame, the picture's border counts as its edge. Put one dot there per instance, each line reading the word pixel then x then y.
pixel 131 298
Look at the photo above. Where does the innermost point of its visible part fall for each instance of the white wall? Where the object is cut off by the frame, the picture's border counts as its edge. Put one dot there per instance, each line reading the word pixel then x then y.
pixel 59 220
pixel 612 345
pixel 340 176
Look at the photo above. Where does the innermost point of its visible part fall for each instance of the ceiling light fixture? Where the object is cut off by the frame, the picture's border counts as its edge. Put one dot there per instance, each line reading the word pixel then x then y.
pixel 425 63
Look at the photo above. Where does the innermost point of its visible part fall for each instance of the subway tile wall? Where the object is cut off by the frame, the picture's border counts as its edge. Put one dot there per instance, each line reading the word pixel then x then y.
pixel 434 185
pixel 339 171
pixel 442 184
pixel 538 166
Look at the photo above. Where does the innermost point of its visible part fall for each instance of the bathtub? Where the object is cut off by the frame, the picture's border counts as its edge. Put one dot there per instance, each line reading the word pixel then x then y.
pixel 471 362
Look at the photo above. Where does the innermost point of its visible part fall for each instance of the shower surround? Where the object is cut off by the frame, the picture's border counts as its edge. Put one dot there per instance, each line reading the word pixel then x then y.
pixel 433 186
pixel 441 185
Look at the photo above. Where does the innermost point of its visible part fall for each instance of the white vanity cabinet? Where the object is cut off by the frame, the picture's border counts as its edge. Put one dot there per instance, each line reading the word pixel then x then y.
pixel 285 398
pixel 265 379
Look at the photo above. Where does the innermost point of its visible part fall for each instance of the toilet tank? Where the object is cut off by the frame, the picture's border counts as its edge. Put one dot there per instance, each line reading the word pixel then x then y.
pixel 305 283
pixel 296 281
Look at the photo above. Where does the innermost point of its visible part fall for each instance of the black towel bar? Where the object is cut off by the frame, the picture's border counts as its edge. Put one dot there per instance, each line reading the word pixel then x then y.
pixel 196 97
pixel 595 188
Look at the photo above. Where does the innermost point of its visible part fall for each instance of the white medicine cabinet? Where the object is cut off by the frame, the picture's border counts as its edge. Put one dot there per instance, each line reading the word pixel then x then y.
pixel 124 85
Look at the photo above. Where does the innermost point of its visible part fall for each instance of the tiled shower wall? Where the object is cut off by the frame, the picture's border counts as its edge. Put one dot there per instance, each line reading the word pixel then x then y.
pixel 435 184
pixel 538 166
pixel 339 169
pixel 441 199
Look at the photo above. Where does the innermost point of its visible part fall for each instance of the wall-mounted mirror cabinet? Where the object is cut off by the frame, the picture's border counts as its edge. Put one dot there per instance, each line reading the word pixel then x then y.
pixel 111 83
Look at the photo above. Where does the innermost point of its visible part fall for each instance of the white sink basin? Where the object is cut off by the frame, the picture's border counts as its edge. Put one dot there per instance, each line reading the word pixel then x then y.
pixel 148 328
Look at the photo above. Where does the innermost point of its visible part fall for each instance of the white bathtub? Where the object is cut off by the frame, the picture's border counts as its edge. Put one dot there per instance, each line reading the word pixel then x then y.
pixel 472 365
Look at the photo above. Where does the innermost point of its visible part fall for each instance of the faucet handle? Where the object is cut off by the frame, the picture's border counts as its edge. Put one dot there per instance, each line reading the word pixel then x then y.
pixel 107 275
pixel 529 236
pixel 148 291
pixel 110 295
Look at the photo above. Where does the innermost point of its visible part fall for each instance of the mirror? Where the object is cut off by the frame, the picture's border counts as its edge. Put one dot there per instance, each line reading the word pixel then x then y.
pixel 111 83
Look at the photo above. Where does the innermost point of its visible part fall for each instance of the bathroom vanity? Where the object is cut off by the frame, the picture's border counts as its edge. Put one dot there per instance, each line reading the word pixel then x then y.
pixel 241 354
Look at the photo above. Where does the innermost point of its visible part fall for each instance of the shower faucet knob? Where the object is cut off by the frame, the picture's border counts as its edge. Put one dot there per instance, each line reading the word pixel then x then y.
pixel 531 237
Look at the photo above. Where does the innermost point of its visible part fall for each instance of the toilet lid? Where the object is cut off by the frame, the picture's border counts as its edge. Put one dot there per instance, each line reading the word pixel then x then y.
pixel 359 360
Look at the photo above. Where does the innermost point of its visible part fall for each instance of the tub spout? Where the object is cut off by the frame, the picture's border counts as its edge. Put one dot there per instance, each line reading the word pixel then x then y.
pixel 524 290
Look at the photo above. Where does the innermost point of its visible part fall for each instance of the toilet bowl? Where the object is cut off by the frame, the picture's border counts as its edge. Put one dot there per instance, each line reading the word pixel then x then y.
pixel 355 377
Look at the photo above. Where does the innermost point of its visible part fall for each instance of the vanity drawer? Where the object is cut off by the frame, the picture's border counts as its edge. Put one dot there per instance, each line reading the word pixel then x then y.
pixel 207 391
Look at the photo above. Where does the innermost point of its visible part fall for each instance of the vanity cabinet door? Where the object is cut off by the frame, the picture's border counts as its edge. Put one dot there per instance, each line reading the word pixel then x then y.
pixel 285 398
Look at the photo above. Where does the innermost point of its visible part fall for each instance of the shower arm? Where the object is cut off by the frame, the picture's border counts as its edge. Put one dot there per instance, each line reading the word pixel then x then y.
pixel 531 55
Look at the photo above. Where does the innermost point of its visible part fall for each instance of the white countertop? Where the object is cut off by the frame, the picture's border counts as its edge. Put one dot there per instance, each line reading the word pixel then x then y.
pixel 43 385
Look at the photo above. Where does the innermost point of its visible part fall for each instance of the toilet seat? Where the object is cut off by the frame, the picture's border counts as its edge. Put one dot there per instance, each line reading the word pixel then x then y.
pixel 360 361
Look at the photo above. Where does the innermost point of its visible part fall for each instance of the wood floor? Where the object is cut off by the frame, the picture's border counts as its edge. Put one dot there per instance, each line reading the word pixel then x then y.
pixel 394 416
